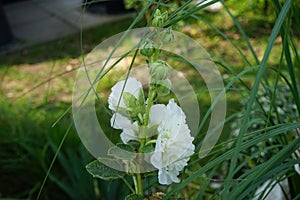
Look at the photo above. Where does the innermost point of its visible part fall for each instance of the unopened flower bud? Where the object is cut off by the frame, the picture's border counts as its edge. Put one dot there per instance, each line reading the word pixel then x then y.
pixel 130 4
pixel 158 21
pixel 159 18
pixel 157 13
pixel 147 48
pixel 167 36
pixel 165 16
pixel 163 87
pixel 159 70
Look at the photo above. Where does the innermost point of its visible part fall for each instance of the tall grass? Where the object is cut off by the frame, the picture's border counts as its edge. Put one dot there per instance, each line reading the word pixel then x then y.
pixel 241 181
pixel 245 171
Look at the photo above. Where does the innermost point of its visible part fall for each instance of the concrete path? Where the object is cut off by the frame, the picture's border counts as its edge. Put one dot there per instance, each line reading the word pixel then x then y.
pixel 37 21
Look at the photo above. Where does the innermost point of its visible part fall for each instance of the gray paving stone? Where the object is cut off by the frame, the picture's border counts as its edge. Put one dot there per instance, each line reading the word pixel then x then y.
pixel 23 13
pixel 37 21
pixel 42 30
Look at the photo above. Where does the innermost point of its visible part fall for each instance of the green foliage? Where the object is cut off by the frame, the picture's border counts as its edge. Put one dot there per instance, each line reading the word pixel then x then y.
pixel 122 151
pixel 265 75
pixel 73 172
pixel 134 197
pixel 99 170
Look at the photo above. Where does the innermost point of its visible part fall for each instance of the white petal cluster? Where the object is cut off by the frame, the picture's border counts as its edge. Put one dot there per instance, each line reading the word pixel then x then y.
pixel 173 146
pixel 174 143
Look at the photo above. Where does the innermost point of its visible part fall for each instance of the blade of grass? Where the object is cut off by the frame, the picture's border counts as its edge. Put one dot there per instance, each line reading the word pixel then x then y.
pixel 53 160
pixel 280 129
pixel 254 90
pixel 244 35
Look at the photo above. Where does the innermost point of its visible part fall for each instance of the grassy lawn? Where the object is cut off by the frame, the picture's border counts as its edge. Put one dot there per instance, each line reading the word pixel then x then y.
pixel 36 87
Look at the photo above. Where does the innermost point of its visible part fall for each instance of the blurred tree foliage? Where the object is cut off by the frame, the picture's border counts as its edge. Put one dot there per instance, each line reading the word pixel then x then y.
pixel 168 5
pixel 264 8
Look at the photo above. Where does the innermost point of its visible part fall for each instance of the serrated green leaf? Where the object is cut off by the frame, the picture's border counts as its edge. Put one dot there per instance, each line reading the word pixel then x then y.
pixel 134 197
pixel 122 151
pixel 99 170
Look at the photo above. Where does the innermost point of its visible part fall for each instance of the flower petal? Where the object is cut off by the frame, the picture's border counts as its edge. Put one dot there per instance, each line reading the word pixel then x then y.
pixel 166 177
pixel 157 113
pixel 118 121
pixel 115 99
pixel 129 134
pixel 174 144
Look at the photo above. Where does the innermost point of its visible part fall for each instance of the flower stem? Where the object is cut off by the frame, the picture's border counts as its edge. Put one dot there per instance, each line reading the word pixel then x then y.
pixel 150 102
pixel 135 184
pixel 138 178
pixel 139 184
pixel 146 119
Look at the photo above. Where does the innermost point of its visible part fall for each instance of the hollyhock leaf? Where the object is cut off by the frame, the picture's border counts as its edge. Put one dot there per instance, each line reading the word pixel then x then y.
pixel 99 170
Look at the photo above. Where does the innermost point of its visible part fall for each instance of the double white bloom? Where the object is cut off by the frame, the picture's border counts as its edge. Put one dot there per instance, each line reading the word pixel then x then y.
pixel 174 143
pixel 173 146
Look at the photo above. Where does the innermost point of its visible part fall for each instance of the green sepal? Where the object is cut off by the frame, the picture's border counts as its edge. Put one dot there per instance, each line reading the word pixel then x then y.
pixel 129 100
pixel 165 15
pixel 163 87
pixel 122 151
pixel 167 36
pixel 99 170
pixel 141 99
pixel 148 48
pixel 124 111
pixel 157 13
pixel 135 144
pixel 147 149
pixel 159 70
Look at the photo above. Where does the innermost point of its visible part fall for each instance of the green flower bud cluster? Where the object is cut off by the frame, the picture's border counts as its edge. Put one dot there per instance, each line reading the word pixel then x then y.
pixel 159 18
pixel 148 48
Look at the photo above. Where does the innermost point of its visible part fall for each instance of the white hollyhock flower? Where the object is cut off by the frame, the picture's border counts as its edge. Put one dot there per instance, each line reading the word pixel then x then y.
pixel 115 100
pixel 130 130
pixel 174 143
pixel 132 86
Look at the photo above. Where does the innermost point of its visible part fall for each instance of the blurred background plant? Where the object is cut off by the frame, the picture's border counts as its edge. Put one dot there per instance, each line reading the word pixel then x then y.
pixel 255 45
